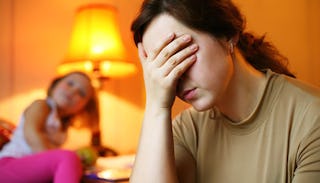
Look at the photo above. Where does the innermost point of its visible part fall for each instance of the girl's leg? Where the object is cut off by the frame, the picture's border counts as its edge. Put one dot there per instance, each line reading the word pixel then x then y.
pixel 58 166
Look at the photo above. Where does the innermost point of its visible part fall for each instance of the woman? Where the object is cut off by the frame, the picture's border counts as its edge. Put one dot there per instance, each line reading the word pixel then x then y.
pixel 33 154
pixel 251 120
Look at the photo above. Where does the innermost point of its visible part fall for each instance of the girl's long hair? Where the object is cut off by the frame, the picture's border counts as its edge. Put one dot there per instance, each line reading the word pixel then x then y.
pixel 89 116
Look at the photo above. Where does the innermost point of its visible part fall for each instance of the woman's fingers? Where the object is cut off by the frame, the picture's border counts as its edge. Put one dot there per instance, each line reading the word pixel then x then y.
pixel 163 66
pixel 172 48
pixel 179 57
pixel 169 60
pixel 180 69
pixel 162 44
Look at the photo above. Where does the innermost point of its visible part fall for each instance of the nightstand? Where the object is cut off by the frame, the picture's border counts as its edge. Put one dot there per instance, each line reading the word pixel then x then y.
pixel 115 169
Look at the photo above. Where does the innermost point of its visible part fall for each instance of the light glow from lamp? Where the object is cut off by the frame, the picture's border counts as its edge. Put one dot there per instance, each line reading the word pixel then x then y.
pixel 96 47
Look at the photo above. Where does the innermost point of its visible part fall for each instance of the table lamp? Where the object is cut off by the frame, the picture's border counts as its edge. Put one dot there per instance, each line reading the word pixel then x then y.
pixel 96 48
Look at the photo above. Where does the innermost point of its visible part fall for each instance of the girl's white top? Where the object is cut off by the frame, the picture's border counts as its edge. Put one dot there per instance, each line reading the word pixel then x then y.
pixel 18 146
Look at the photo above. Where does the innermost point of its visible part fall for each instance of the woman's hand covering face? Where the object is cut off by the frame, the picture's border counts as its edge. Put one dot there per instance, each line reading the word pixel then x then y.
pixel 164 66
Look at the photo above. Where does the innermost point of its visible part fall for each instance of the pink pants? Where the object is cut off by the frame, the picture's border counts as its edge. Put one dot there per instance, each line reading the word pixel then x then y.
pixel 54 166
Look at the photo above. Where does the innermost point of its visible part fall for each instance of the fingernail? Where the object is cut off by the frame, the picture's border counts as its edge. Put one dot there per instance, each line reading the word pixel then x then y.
pixel 193 57
pixel 171 35
pixel 186 38
pixel 194 47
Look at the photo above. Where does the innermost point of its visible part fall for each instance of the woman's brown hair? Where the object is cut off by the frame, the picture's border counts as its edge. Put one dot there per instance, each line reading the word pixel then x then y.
pixel 220 18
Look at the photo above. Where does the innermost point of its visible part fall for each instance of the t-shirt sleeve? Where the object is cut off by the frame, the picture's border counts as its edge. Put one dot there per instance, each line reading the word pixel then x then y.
pixel 308 155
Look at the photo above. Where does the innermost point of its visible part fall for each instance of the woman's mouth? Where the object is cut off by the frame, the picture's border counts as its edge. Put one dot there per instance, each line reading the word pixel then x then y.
pixel 189 94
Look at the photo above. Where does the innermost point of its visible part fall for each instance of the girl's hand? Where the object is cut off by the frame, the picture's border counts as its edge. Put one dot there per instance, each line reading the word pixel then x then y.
pixel 163 67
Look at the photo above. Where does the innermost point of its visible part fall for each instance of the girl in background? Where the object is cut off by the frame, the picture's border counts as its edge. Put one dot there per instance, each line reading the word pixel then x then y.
pixel 33 154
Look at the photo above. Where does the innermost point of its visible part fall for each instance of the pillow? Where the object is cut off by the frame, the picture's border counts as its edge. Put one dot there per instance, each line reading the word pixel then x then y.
pixel 6 130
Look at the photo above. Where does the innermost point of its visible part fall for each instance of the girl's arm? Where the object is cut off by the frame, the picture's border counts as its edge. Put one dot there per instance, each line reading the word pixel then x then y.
pixel 34 129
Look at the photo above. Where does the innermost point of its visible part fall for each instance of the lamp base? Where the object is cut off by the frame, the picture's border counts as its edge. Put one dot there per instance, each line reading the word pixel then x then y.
pixel 105 151
pixel 102 150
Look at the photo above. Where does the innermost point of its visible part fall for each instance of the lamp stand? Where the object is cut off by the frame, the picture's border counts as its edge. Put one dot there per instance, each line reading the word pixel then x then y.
pixel 102 150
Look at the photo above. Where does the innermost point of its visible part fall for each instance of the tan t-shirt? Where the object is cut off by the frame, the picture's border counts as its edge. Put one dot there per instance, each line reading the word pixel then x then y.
pixel 278 143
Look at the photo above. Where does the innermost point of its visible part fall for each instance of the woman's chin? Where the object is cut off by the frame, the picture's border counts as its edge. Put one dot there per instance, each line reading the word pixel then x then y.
pixel 201 106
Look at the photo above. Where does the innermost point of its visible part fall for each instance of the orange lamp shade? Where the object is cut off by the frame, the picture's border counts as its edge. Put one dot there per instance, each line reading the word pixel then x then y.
pixel 96 45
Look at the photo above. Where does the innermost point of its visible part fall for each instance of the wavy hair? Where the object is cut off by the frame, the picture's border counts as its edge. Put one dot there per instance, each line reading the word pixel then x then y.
pixel 221 19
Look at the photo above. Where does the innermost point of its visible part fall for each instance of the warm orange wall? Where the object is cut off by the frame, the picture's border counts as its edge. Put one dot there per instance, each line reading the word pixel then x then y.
pixel 34 37
pixel 294 27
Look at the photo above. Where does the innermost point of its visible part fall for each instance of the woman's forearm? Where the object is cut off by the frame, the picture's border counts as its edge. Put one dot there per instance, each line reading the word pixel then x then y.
pixel 155 158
